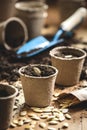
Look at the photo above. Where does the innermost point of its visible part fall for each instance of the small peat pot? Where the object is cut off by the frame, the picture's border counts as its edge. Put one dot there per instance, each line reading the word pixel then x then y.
pixel 69 61
pixel 38 83
pixel 7 99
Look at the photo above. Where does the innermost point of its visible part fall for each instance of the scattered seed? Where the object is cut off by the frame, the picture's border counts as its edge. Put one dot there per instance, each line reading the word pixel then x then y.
pixel 38 110
pixel 15 107
pixel 22 118
pixel 68 116
pixel 65 125
pixel 64 110
pixel 28 128
pixel 56 94
pixel 23 113
pixel 47 110
pixel 51 128
pixel 61 118
pixel 15 121
pixel 68 56
pixel 31 114
pixel 35 117
pixel 50 118
pixel 27 121
pixel 13 125
pixel 53 122
pixel 43 116
pixel 42 125
pixel 20 123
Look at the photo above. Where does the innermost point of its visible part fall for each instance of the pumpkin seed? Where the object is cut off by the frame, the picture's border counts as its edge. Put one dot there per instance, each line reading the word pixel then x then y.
pixel 50 118
pixel 51 128
pixel 35 118
pixel 61 118
pixel 13 125
pixel 42 125
pixel 20 123
pixel 15 121
pixel 23 113
pixel 27 121
pixel 53 122
pixel 65 125
pixel 28 128
pixel 38 110
pixel 68 116
pixel 37 70
pixel 31 114
pixel 43 116
pixel 64 110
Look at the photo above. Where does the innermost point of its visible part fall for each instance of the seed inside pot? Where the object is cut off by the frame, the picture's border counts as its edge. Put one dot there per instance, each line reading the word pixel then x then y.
pixel 38 70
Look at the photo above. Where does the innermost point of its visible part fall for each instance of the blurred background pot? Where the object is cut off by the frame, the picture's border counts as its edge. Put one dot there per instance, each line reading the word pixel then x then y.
pixel 7 99
pixel 13 33
pixel 69 61
pixel 38 90
pixel 6 9
pixel 33 13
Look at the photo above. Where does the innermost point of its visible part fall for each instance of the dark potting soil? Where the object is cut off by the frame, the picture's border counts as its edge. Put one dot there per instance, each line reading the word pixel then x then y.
pixel 66 55
pixel 4 93
pixel 38 71
pixel 10 64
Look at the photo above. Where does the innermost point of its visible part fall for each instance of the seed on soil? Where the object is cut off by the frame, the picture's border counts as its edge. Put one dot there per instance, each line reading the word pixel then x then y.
pixel 20 123
pixel 42 124
pixel 65 125
pixel 68 116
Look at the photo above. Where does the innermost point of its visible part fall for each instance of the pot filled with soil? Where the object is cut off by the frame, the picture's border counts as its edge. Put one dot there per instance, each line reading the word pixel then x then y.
pixel 7 99
pixel 69 61
pixel 38 83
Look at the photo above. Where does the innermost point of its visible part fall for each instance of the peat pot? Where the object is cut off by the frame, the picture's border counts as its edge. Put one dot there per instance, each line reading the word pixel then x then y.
pixel 38 85
pixel 69 61
pixel 7 98
pixel 13 33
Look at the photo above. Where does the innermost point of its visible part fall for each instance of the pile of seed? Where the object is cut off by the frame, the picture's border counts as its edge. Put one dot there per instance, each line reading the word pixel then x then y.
pixel 46 118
